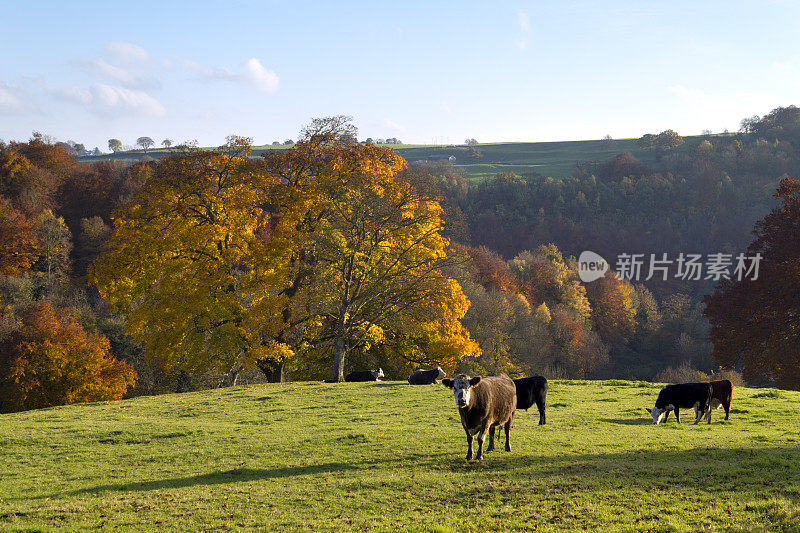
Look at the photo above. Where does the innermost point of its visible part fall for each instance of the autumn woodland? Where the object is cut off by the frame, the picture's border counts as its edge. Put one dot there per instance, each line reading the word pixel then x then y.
pixel 201 268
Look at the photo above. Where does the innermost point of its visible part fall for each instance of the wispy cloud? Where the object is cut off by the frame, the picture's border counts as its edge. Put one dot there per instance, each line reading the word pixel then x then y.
pixel 127 53
pixel 252 74
pixel 524 30
pixel 104 99
pixel 12 100
pixel 386 123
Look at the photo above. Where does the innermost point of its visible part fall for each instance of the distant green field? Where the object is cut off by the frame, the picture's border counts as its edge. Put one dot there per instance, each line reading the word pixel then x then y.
pixel 390 456
pixel 554 159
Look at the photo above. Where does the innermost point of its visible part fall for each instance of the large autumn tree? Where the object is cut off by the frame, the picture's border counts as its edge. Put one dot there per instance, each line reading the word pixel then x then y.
pixel 190 263
pixel 367 269
pixel 755 323
pixel 320 251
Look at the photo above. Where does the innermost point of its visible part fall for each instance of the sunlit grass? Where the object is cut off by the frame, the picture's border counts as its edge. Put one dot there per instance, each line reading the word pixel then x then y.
pixel 388 455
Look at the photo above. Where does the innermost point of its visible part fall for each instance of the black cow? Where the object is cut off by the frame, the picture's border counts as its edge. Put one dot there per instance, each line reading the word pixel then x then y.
pixel 426 377
pixel 364 375
pixel 532 390
pixel 484 403
pixel 682 396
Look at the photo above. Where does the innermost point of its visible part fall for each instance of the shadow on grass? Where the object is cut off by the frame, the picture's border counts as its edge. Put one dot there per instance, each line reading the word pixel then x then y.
pixel 235 475
pixel 774 470
pixel 628 421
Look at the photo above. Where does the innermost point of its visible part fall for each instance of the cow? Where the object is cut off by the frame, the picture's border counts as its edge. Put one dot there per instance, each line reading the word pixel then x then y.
pixel 484 403
pixel 721 394
pixel 365 375
pixel 682 396
pixel 426 377
pixel 532 390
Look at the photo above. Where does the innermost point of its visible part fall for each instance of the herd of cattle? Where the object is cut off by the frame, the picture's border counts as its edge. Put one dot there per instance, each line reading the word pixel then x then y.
pixel 488 403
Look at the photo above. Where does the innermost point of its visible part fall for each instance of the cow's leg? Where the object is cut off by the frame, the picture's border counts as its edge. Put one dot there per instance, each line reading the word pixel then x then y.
pixel 540 405
pixel 698 414
pixel 666 415
pixel 677 415
pixel 727 407
pixel 469 445
pixel 508 432
pixel 481 438
pixel 490 448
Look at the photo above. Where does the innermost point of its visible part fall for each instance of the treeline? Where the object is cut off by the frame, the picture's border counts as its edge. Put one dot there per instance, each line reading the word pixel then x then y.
pixel 215 267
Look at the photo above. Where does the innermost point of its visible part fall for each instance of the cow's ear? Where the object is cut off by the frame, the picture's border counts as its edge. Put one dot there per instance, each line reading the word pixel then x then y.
pixel 448 383
pixel 474 381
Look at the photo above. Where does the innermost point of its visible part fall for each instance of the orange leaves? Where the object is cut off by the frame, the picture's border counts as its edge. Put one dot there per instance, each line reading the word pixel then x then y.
pixel 18 242
pixel 51 360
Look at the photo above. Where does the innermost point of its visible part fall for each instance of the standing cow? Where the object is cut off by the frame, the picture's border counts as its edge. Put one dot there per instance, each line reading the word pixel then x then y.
pixel 682 396
pixel 365 375
pixel 721 396
pixel 426 377
pixel 484 403
pixel 532 390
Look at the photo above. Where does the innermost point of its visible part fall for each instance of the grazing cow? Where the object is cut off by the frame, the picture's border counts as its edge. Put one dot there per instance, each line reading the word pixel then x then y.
pixel 426 377
pixel 484 403
pixel 721 394
pixel 532 390
pixel 682 396
pixel 365 375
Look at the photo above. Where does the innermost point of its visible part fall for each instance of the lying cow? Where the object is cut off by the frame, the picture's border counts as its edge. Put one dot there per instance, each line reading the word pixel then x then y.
pixel 682 396
pixel 721 395
pixel 365 375
pixel 532 390
pixel 426 377
pixel 484 403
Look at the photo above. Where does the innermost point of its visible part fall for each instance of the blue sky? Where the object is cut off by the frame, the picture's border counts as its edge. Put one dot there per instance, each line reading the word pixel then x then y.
pixel 495 71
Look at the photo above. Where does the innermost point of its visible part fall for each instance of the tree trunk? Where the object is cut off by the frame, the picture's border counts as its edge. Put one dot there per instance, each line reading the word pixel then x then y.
pixel 274 370
pixel 339 352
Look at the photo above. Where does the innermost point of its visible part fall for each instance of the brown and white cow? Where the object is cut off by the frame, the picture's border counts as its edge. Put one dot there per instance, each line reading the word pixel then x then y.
pixel 484 403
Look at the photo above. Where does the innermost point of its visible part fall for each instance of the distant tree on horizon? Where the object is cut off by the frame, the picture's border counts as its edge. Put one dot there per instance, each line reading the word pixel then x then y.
pixel 114 145
pixel 145 143
pixel 166 143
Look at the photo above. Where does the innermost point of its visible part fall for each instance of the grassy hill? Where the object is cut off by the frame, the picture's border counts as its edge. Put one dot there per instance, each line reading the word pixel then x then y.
pixel 554 159
pixel 389 456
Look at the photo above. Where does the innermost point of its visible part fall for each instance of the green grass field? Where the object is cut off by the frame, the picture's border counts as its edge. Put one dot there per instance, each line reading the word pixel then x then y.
pixel 553 159
pixel 389 456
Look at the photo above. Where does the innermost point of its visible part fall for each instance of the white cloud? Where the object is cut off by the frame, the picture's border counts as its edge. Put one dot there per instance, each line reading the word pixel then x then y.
pixel 119 99
pixel 77 95
pixel 124 63
pixel 13 100
pixel 253 74
pixel 524 29
pixel 127 53
pixel 106 99
pixel 392 125
pixel 524 21
pixel 261 78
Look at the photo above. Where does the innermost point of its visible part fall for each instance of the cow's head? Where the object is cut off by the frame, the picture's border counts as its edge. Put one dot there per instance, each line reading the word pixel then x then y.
pixel 462 388
pixel 657 414
pixel 442 373
pixel 379 374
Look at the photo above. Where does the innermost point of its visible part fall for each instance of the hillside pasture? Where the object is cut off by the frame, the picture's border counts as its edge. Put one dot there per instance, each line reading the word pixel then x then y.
pixel 388 456
pixel 550 159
